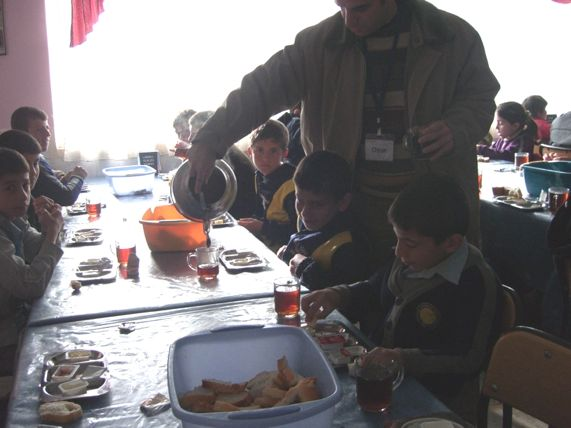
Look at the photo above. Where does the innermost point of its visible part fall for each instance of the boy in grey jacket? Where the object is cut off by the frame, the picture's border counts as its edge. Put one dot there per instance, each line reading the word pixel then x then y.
pixel 27 258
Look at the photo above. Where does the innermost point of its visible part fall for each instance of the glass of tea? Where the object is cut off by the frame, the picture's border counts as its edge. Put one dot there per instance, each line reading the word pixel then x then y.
pixel 557 197
pixel 286 297
pixel 520 158
pixel 375 385
pixel 93 207
pixel 204 261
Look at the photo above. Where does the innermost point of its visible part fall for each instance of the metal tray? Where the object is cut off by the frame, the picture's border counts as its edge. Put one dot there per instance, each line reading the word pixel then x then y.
pixel 79 208
pixel 97 270
pixel 338 342
pixel 224 220
pixel 520 204
pixel 242 260
pixel 86 236
pixel 83 358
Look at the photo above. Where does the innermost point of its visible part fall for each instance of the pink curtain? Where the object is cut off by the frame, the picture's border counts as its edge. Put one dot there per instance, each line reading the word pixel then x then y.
pixel 84 14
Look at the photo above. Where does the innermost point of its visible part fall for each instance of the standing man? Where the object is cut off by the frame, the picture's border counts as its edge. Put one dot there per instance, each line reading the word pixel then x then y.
pixel 377 71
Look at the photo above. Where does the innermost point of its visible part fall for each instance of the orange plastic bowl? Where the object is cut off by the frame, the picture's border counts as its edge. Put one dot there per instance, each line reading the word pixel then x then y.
pixel 168 230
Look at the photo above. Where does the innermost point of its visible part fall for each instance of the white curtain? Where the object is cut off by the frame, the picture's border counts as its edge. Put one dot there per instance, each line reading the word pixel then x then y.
pixel 146 60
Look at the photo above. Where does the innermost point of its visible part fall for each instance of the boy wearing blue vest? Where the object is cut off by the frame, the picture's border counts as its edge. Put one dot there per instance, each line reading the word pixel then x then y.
pixel 275 219
pixel 435 307
pixel 327 250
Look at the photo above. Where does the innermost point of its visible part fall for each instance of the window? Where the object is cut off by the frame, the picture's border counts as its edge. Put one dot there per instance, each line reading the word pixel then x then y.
pixel 147 60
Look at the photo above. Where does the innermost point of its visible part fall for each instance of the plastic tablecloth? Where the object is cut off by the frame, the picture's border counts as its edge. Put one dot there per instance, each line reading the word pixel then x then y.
pixel 165 280
pixel 137 365
pixel 513 240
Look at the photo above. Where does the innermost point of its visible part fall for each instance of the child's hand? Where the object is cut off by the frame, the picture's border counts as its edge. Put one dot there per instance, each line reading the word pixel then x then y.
pixel 382 356
pixel 50 218
pixel 252 224
pixel 295 262
pixel 319 304
pixel 77 171
pixel 281 251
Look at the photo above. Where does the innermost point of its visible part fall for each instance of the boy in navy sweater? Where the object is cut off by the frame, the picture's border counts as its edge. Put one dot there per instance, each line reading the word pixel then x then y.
pixel 327 250
pixel 275 218
pixel 435 308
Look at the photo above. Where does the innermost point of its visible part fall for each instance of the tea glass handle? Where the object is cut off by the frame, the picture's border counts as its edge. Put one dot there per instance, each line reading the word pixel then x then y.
pixel 190 261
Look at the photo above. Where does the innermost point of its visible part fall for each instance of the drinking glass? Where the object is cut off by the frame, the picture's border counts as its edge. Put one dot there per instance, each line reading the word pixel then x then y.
pixel 519 159
pixel 375 385
pixel 557 197
pixel 286 296
pixel 204 261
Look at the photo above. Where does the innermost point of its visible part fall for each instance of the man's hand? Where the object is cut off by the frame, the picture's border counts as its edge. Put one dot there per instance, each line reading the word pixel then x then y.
pixel 281 251
pixel 77 171
pixel 436 139
pixel 201 159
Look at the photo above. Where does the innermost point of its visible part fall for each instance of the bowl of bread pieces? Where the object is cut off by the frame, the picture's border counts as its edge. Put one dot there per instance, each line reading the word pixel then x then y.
pixel 248 376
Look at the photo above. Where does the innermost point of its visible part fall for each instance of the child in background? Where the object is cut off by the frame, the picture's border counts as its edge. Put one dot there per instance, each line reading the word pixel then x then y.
pixel 517 133
pixel 61 187
pixel 326 250
pixel 435 308
pixel 536 106
pixel 27 258
pixel 276 217
pixel 28 147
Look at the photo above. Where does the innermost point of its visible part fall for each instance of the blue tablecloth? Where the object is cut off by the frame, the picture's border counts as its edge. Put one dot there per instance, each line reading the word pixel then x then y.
pixel 137 364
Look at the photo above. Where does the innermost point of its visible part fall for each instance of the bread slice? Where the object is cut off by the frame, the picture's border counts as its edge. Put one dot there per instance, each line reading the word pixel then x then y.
pixel 223 387
pixel 286 377
pixel 198 400
pixel 223 406
pixel 256 385
pixel 239 399
pixel 307 390
pixel 60 412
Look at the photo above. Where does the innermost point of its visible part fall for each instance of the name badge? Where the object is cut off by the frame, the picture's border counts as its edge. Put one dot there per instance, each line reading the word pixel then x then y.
pixel 379 148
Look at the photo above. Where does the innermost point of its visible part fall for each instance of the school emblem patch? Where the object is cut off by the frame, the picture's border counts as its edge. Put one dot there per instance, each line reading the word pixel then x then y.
pixel 427 315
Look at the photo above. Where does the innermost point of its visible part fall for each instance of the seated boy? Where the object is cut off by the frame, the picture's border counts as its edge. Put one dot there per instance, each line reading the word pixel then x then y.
pixel 27 258
pixel 326 250
pixel 56 185
pixel 435 308
pixel 276 216
pixel 28 147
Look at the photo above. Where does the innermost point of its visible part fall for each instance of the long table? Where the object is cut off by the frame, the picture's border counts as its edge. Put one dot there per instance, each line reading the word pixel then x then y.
pixel 166 302
pixel 165 280
pixel 137 365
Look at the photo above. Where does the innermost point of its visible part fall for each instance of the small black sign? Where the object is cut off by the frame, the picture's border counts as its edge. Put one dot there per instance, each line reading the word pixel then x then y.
pixel 151 159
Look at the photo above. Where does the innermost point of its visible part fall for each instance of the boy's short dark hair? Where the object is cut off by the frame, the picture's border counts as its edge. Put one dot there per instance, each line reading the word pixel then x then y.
pixel 22 116
pixel 20 141
pixel 12 162
pixel 535 105
pixel 272 130
pixel 433 205
pixel 324 173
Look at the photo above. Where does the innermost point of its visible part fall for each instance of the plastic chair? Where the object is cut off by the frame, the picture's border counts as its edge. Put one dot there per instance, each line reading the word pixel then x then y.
pixel 529 370
pixel 512 309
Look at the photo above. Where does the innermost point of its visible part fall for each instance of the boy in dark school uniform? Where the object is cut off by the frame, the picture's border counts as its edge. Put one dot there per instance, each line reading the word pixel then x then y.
pixel 275 220
pixel 435 307
pixel 327 250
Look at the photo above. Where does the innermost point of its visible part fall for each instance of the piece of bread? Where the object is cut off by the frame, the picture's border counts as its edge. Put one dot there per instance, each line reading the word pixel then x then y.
pixel 223 406
pixel 239 399
pixel 286 377
pixel 273 392
pixel 307 389
pixel 198 400
pixel 223 387
pixel 60 412
pixel 256 385
pixel 264 401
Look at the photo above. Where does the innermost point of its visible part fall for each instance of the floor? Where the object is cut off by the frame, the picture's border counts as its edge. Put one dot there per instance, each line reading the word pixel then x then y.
pixel 520 419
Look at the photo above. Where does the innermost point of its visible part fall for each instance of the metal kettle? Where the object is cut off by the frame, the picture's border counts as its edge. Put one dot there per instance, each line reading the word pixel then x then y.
pixel 217 195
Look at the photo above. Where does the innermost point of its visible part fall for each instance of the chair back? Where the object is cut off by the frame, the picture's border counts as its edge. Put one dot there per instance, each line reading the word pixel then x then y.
pixel 512 309
pixel 529 370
